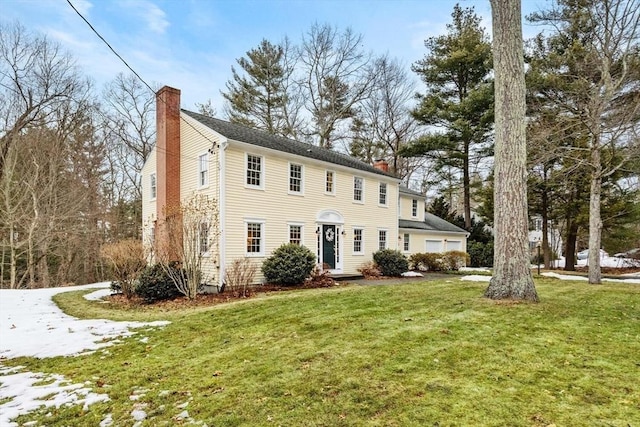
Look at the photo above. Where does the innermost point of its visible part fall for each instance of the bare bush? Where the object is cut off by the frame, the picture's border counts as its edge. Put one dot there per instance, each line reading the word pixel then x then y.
pixel 239 275
pixel 127 260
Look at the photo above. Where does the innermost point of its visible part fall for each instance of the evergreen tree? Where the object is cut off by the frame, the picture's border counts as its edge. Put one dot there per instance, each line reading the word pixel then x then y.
pixel 459 98
pixel 258 97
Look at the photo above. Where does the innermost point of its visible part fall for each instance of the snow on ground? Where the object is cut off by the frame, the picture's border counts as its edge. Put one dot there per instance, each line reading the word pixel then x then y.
pixel 476 269
pixel 477 278
pixel 32 325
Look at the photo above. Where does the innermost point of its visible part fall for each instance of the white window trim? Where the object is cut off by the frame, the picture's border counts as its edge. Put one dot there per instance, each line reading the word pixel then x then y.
pixel 208 252
pixel 153 188
pixel 260 221
pixel 386 195
pixel 299 224
pixel 386 241
pixel 408 241
pixel 333 182
pixel 361 242
pixel 295 193
pixel 417 208
pixel 353 190
pixel 263 175
pixel 208 162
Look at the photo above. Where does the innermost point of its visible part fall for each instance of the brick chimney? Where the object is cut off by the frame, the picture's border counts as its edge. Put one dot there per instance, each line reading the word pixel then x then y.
pixel 382 165
pixel 167 159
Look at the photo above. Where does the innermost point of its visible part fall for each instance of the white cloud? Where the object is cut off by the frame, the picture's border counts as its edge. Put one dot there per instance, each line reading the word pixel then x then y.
pixel 152 14
pixel 82 6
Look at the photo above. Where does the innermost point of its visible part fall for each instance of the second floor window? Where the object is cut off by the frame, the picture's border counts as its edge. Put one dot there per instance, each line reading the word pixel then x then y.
pixel 328 187
pixel 254 170
pixel 383 194
pixel 295 178
pixel 203 170
pixel 414 208
pixel 357 189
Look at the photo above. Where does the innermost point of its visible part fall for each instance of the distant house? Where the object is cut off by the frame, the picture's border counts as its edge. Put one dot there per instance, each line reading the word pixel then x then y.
pixel 272 190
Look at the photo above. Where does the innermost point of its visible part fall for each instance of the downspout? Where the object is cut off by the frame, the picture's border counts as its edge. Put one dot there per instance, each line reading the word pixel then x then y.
pixel 222 206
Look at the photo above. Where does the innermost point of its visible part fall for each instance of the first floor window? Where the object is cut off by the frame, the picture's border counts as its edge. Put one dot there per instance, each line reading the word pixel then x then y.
pixel 406 242
pixel 382 239
pixel 295 234
pixel 153 185
pixel 203 237
pixel 357 241
pixel 254 238
pixel 203 170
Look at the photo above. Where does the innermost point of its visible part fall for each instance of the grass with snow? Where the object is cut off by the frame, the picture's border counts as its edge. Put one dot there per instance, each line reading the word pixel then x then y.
pixel 420 354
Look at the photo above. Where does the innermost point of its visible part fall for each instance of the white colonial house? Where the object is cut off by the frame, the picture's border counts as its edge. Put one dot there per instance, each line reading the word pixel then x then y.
pixel 272 190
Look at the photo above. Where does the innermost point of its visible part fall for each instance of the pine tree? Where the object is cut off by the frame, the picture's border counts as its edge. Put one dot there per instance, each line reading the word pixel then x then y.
pixel 257 98
pixel 459 98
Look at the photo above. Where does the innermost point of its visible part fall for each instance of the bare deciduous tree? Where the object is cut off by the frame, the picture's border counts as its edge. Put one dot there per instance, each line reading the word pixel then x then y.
pixel 36 78
pixel 188 233
pixel 336 75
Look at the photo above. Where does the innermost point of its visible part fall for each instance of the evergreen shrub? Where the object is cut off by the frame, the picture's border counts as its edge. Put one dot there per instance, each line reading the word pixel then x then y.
pixel 289 265
pixel 155 284
pixel 391 262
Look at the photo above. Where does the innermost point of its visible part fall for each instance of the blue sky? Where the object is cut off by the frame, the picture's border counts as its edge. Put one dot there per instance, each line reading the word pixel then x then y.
pixel 192 44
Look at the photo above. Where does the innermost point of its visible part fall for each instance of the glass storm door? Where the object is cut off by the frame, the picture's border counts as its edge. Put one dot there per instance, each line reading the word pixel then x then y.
pixel 329 246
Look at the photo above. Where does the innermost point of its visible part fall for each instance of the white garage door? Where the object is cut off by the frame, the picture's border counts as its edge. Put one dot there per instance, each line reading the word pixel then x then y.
pixel 453 245
pixel 433 245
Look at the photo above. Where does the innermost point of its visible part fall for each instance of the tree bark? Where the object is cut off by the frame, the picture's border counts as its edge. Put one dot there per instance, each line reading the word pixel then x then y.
pixel 512 277
pixel 570 247
pixel 595 220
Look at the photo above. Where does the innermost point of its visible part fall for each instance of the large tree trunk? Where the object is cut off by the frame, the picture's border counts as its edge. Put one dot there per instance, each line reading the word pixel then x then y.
pixel 545 226
pixel 595 221
pixel 512 277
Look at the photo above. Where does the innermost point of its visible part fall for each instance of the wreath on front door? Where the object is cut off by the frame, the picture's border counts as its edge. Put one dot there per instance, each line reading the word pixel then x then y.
pixel 329 235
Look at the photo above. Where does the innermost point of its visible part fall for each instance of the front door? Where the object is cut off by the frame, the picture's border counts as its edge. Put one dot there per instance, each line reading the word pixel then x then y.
pixel 329 239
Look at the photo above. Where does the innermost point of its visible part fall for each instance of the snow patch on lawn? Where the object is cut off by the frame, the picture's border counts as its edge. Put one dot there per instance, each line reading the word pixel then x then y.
pixel 412 274
pixel 28 390
pixel 32 325
pixel 476 278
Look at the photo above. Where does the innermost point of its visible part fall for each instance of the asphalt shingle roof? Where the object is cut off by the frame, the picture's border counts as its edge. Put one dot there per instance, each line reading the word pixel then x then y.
pixel 431 222
pixel 407 190
pixel 260 138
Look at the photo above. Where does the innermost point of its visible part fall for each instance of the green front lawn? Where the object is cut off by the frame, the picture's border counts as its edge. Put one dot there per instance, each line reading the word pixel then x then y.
pixel 429 354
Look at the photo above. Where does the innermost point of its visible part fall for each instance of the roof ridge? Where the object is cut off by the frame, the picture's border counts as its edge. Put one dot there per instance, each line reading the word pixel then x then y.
pixel 262 138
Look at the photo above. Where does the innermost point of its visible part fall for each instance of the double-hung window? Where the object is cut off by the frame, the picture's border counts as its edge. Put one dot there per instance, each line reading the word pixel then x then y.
pixel 203 170
pixel 254 171
pixel 295 234
pixel 329 187
pixel 295 178
pixel 414 208
pixel 406 242
pixel 153 185
pixel 382 239
pixel 255 238
pixel 358 244
pixel 382 194
pixel 358 189
pixel 203 237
